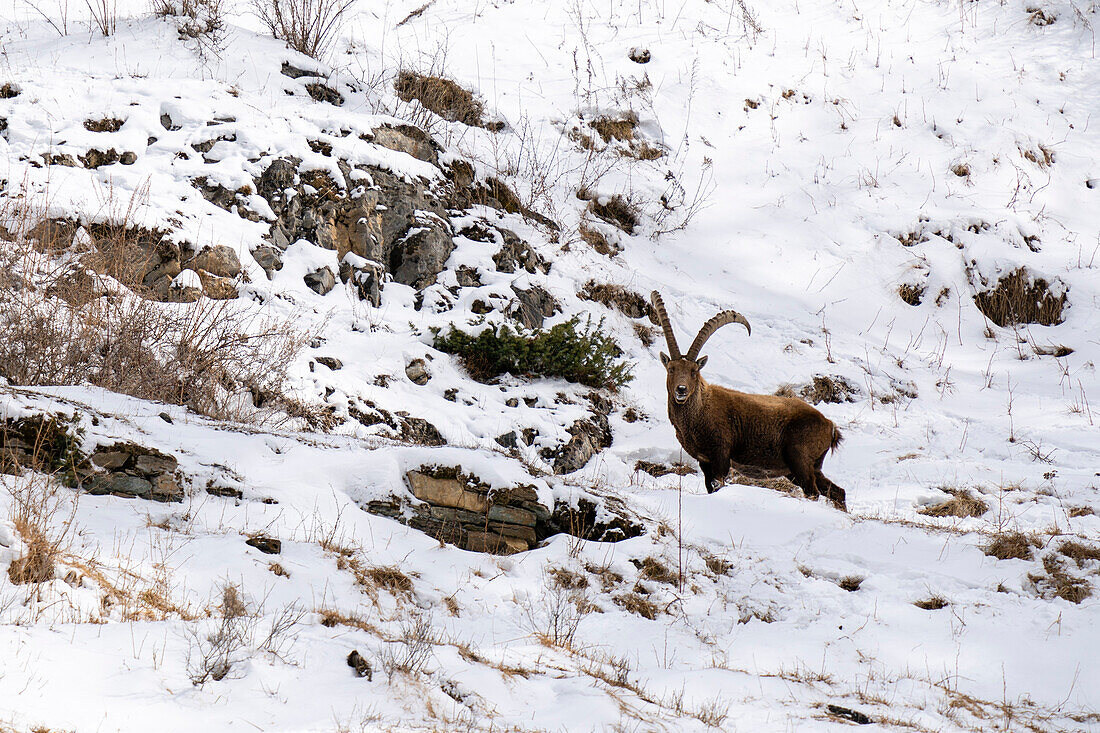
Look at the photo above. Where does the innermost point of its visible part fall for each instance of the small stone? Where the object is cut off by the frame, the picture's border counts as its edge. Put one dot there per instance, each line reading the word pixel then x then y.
pixel 267 545
pixel 110 460
pixel 321 281
pixel 165 488
pixel 165 417
pixel 217 288
pixel 269 258
pixel 154 464
pixel 219 260
pixel 359 665
pixel 511 515
pixel 128 158
pixel 331 362
pixel 121 484
pixel 417 372
pixel 508 440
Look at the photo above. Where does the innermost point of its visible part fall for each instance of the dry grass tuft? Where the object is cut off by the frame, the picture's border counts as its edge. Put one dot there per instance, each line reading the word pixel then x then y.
pixel 627 302
pixel 1020 298
pixel 596 239
pixel 1011 546
pixel 1057 582
pixel 961 504
pixel 615 210
pixel 663 469
pixel 42 513
pixel 932 603
pixel 653 569
pixel 444 97
pixel 831 389
pixel 1081 511
pixel 911 294
pixel 567 579
pixel 1079 552
pixel 637 603
pixel 851 583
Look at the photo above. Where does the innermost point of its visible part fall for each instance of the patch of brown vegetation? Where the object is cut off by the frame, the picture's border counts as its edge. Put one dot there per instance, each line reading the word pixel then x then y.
pixel 962 170
pixel 1081 511
pixel 107 124
pixel 663 469
pixel 1019 298
pixel 1058 583
pixel 637 603
pixel 653 569
pixel 1011 546
pixel 444 97
pixel 832 389
pixel 567 579
pixel 1079 552
pixel 627 302
pixel 932 603
pixel 608 577
pixel 961 504
pixel 850 583
pixel 595 239
pixel 615 210
pixel 911 294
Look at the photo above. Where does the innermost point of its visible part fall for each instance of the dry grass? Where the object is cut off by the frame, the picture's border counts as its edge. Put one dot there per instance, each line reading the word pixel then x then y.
pixel 624 300
pixel 1081 511
pixel 851 583
pixel 911 294
pixel 1079 552
pixel 1011 546
pixel 443 97
pixel 653 569
pixel 961 504
pixel 932 603
pixel 637 603
pixel 596 239
pixel 567 579
pixel 42 514
pixel 616 210
pixel 1020 298
pixel 1056 581
pixel 663 469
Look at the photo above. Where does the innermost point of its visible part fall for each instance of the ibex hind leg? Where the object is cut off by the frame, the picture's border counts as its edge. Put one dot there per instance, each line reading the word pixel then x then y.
pixel 834 493
pixel 802 472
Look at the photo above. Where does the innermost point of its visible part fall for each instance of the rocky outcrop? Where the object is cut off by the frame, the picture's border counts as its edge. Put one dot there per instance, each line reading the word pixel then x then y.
pixel 133 471
pixel 460 509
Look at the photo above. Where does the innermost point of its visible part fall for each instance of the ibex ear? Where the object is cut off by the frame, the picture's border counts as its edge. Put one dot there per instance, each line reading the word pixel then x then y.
pixel 664 359
pixel 701 362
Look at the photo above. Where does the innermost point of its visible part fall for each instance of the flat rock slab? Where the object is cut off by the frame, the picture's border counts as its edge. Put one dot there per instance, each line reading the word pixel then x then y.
pixel 446 492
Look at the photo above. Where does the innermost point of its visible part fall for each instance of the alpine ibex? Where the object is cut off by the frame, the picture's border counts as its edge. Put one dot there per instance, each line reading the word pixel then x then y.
pixel 759 435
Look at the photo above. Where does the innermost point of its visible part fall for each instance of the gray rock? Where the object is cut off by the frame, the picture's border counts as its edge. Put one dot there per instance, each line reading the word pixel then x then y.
pixel 508 440
pixel 515 254
pixel 165 488
pixel 218 260
pixel 331 362
pixel 417 372
pixel 589 437
pixel 321 281
pixel 152 464
pixel 420 431
pixel 269 258
pixel 110 460
pixel 532 307
pixel 364 275
pixel 421 254
pixel 266 545
pixel 407 139
pixel 121 484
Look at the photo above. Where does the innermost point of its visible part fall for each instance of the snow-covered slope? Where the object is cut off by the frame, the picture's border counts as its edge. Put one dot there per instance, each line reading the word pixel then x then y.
pixel 816 157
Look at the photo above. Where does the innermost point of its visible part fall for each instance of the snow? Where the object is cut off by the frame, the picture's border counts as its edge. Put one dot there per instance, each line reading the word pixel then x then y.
pixel 800 202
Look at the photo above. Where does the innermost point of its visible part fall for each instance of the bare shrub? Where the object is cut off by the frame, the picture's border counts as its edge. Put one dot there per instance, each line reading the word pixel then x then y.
pixel 412 649
pixel 103 15
pixel 556 616
pixel 202 21
pixel 307 26
pixel 212 655
pixel 637 603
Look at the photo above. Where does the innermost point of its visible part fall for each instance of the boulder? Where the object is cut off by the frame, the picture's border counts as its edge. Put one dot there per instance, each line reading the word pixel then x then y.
pixel 320 281
pixel 218 260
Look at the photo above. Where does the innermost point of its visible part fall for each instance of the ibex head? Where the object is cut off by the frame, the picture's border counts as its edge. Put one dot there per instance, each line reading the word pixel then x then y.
pixel 683 370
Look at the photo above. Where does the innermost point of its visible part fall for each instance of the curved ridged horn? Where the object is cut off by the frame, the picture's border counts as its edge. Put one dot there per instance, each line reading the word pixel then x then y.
pixel 662 318
pixel 723 318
